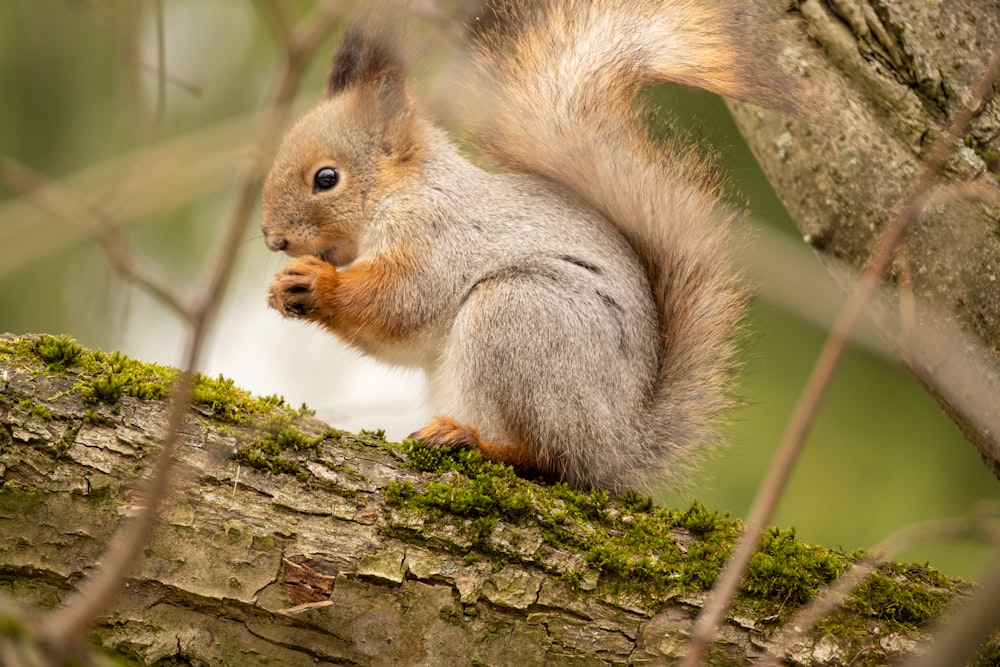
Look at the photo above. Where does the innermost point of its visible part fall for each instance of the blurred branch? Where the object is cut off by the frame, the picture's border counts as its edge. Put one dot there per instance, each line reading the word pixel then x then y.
pixel 144 183
pixel 107 21
pixel 305 40
pixel 982 524
pixel 966 631
pixel 819 380
pixel 65 628
pixel 783 270
pixel 161 64
pixel 272 14
pixel 948 357
pixel 69 206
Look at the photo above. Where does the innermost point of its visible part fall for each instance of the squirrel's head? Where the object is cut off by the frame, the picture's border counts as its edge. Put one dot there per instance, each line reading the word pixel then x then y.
pixel 356 147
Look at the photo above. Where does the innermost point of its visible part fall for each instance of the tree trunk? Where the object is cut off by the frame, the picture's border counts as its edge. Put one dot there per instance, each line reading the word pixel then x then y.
pixel 285 541
pixel 880 81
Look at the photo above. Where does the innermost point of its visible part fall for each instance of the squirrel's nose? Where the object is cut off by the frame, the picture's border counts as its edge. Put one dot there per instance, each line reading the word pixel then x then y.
pixel 275 242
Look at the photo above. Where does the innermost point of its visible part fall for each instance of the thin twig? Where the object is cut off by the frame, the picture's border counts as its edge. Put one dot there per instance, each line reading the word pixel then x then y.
pixel 62 202
pixel 106 20
pixel 967 630
pixel 65 627
pixel 137 185
pixel 161 65
pixel 982 523
pixel 305 39
pixel 819 380
pixel 272 14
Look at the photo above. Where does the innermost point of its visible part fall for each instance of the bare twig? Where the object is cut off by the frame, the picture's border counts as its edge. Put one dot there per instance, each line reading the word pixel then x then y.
pixel 66 627
pixel 145 183
pixel 108 22
pixel 982 523
pixel 819 380
pixel 62 202
pixel 272 14
pixel 966 631
pixel 161 65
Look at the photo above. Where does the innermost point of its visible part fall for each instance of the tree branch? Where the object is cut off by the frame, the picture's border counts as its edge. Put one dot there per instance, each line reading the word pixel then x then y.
pixel 285 540
pixel 799 424
pixel 881 79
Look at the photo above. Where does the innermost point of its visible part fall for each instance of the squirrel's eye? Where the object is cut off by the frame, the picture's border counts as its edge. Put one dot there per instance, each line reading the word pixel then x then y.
pixel 325 179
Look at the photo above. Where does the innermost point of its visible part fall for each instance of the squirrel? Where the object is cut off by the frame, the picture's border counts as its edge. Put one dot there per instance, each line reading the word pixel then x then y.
pixel 574 312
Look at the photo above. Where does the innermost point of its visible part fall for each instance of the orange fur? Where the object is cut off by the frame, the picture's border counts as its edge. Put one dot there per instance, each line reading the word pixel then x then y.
pixel 349 302
pixel 445 432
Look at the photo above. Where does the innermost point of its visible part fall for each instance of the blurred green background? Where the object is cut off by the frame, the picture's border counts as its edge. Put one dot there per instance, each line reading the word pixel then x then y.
pixel 79 102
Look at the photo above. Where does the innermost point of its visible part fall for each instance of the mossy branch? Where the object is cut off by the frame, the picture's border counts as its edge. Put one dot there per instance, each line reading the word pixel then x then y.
pixel 285 539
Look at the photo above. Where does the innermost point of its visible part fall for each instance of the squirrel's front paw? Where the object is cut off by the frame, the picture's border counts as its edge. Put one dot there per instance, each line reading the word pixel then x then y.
pixel 293 291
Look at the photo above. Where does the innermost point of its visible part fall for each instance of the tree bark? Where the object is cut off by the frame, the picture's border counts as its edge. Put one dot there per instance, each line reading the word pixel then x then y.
pixel 285 541
pixel 880 79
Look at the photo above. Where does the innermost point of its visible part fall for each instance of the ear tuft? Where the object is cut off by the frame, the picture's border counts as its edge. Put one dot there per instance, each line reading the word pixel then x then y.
pixel 365 58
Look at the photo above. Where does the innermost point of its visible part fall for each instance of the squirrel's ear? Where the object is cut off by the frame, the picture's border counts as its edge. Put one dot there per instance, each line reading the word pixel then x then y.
pixel 365 59
pixel 369 69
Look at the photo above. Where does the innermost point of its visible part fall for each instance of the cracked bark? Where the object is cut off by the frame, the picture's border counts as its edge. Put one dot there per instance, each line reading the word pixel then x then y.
pixel 881 79
pixel 366 583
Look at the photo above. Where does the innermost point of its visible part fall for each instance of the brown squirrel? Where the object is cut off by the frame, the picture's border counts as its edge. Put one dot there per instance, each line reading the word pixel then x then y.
pixel 574 314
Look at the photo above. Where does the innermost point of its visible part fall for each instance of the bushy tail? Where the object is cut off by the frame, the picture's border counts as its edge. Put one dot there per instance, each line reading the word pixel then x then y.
pixel 567 74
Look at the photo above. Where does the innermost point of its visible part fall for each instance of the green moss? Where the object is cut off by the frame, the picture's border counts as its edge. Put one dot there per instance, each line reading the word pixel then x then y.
pixel 591 504
pixel 58 352
pixel 273 464
pixel 788 570
pixel 398 493
pixel 103 377
pixel 645 551
pixel 637 548
pixel 223 398
pixel 633 544
pixel 227 403
pixel 474 488
pixel 100 486
pixel 905 595
pixel 989 654
pixel 92 417
pixel 991 157
pixel 17 500
pixel 275 400
pixel 633 501
pixel 117 375
pixel 36 409
pixel 64 444
pixel 281 440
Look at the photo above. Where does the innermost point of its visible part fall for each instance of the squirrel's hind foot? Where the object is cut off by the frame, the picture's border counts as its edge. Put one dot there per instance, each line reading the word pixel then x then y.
pixel 445 432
